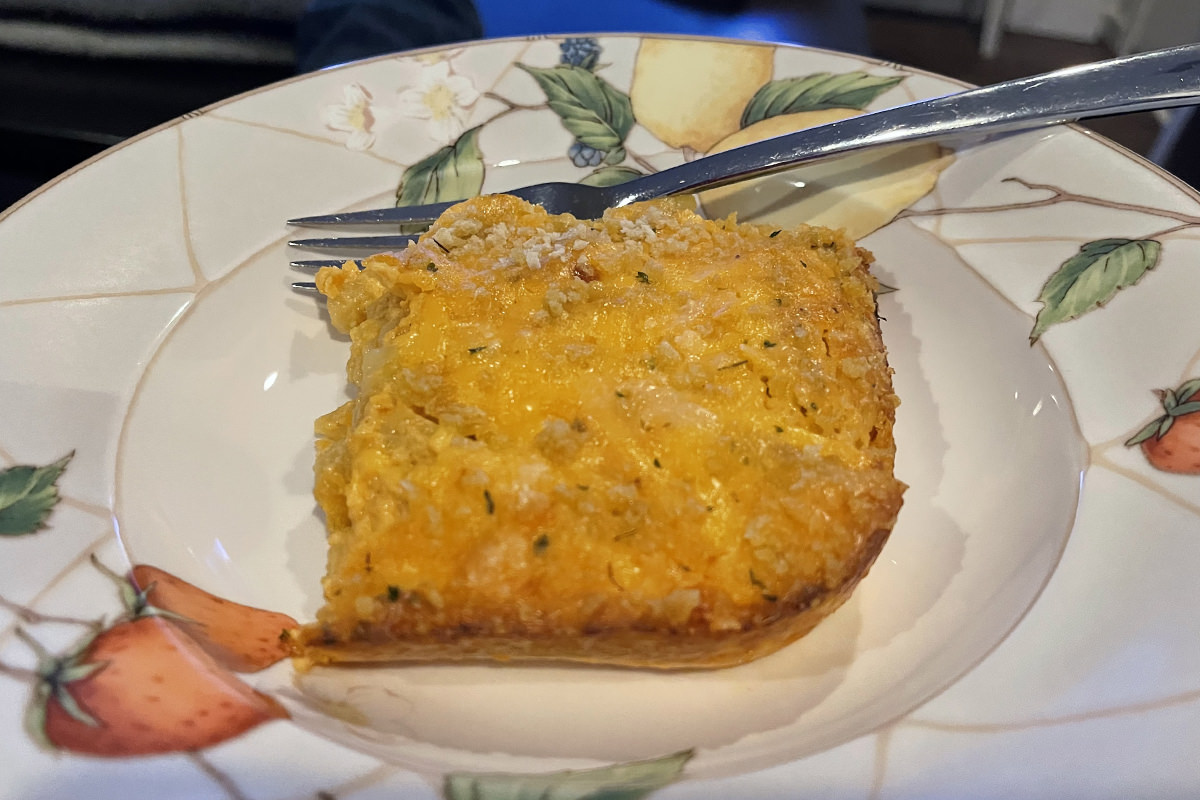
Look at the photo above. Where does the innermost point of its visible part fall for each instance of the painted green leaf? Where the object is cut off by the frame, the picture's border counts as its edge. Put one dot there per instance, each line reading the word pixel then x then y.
pixel 1183 409
pixel 590 108
pixel 615 156
pixel 618 782
pixel 610 176
pixel 1156 429
pixel 454 172
pixel 1177 403
pixel 28 495
pixel 1188 389
pixel 34 718
pixel 1091 277
pixel 815 92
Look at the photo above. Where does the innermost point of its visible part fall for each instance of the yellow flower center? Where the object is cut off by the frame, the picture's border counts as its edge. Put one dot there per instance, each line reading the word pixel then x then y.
pixel 359 116
pixel 440 101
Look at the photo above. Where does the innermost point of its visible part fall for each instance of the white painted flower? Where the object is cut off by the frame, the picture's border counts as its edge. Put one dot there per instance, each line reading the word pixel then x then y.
pixel 442 98
pixel 354 116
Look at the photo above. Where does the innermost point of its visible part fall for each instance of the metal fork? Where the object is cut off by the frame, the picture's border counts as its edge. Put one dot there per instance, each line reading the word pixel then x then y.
pixel 1159 79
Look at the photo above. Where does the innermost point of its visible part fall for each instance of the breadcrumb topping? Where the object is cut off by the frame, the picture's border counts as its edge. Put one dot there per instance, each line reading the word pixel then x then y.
pixel 647 422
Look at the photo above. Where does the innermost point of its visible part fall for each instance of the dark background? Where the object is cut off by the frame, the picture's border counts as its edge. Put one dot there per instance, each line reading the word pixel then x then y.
pixel 102 79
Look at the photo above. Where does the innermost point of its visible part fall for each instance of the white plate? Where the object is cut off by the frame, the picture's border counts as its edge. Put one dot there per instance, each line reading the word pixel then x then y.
pixel 150 331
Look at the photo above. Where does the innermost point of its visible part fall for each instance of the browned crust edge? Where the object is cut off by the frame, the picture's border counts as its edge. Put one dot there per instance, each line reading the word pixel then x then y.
pixel 794 617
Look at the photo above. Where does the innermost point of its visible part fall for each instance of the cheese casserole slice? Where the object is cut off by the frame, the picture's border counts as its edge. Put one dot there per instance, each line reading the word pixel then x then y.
pixel 649 440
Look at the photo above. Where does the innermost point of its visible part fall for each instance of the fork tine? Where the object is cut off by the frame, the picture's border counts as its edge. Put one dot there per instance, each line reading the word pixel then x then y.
pixel 425 213
pixel 358 242
pixel 317 263
pixel 308 287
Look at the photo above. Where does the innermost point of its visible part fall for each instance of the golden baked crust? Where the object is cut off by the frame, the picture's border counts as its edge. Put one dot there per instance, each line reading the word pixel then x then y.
pixel 650 440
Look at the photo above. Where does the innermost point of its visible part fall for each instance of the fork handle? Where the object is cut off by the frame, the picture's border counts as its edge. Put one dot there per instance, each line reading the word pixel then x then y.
pixel 1158 79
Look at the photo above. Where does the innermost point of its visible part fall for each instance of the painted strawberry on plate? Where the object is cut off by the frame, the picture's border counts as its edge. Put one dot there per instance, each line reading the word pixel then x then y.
pixel 141 687
pixel 1171 442
pixel 238 637
pixel 159 679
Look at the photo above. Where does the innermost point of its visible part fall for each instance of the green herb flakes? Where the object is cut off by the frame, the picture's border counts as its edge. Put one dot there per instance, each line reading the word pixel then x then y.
pixel 762 587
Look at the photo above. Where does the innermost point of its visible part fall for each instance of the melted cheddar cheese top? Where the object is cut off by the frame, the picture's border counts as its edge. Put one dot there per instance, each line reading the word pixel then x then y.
pixel 650 421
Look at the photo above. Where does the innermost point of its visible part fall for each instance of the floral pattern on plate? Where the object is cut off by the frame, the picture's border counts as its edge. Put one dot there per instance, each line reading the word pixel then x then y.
pixel 1093 273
